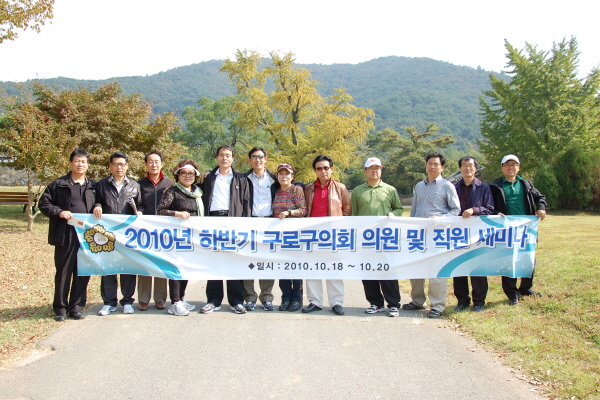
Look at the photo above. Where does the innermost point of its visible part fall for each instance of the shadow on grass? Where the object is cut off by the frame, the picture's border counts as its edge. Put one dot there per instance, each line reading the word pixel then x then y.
pixel 24 313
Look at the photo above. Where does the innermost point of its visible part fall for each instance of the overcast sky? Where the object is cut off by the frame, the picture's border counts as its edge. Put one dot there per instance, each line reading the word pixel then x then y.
pixel 99 39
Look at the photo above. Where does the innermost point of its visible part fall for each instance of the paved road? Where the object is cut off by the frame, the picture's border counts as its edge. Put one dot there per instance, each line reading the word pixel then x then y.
pixel 261 355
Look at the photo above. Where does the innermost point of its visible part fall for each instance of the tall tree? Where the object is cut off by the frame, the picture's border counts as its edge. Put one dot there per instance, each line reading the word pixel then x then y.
pixel 22 14
pixel 282 100
pixel 543 109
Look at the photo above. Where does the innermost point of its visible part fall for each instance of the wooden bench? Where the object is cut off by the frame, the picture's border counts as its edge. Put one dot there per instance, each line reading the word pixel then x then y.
pixel 18 198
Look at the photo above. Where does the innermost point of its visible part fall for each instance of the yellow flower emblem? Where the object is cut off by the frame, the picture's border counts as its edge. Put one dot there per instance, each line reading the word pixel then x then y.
pixel 99 239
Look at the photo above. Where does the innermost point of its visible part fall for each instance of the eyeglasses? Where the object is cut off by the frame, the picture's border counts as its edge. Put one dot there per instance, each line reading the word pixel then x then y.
pixel 322 169
pixel 511 165
pixel 469 167
pixel 187 174
pixel 118 165
pixel 257 157
pixel 374 169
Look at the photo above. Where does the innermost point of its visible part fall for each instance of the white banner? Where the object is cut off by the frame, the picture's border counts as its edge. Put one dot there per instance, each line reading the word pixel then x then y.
pixel 306 248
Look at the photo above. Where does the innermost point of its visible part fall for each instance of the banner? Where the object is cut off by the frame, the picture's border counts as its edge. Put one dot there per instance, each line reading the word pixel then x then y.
pixel 201 248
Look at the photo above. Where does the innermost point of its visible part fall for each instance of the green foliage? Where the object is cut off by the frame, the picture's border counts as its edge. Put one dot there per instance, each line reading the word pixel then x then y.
pixel 575 176
pixel 22 14
pixel 545 181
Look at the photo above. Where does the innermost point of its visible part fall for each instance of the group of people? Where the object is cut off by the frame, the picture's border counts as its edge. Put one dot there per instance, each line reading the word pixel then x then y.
pixel 260 193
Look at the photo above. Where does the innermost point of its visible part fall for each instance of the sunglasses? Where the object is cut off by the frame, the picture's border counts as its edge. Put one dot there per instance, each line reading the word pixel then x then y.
pixel 322 169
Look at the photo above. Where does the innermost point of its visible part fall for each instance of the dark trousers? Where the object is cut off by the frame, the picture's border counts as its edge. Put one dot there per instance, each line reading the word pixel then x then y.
pixel 479 292
pixel 509 285
pixel 108 289
pixel 65 261
pixel 377 291
pixel 177 290
pixel 291 289
pixel 235 292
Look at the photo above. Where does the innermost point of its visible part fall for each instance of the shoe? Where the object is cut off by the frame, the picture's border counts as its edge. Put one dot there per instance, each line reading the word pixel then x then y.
pixel 107 310
pixel 60 317
pixel 311 307
pixel 285 305
pixel 239 309
pixel 412 306
pixel 295 306
pixel 532 293
pixel 513 302
pixel 478 308
pixel 461 307
pixel 393 312
pixel 178 308
pixel 338 309
pixel 143 306
pixel 209 307
pixel 188 306
pixel 160 305
pixel 250 305
pixel 374 309
pixel 268 306
pixel 434 314
pixel 127 309
pixel 76 315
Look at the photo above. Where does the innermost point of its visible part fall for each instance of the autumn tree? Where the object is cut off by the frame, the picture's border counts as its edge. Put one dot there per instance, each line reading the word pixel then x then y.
pixel 23 14
pixel 282 100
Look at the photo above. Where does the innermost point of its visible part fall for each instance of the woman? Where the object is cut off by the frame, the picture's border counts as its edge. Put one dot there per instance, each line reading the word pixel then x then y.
pixel 183 200
pixel 289 203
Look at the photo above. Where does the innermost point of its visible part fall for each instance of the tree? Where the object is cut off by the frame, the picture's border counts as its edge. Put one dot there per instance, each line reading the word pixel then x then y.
pixel 23 14
pixel 299 122
pixel 543 109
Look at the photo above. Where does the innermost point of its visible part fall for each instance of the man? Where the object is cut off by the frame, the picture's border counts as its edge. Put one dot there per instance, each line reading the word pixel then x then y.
pixel 118 194
pixel 226 194
pixel 263 185
pixel 378 198
pixel 433 197
pixel 514 195
pixel 475 199
pixel 69 194
pixel 152 187
pixel 326 197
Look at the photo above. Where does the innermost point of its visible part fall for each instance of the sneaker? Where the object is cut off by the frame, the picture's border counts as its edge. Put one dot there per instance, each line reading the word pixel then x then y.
pixel 268 306
pixel 188 306
pixel 250 305
pixel 178 308
pixel 295 306
pixel 209 307
pixel 374 309
pixel 393 312
pixel 238 309
pixel 107 310
pixel 127 309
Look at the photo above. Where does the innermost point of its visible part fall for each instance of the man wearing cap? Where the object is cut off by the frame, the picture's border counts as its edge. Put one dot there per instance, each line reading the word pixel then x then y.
pixel 378 198
pixel 514 195
pixel 226 194
pixel 433 197
pixel 152 187
pixel 475 199
pixel 326 197
pixel 263 185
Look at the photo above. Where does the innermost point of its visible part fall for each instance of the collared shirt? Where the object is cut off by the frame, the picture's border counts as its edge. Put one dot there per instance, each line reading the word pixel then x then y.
pixel 435 199
pixel 221 192
pixel 320 205
pixel 515 196
pixel 161 176
pixel 262 203
pixel 379 200
pixel 78 203
pixel 118 186
pixel 465 195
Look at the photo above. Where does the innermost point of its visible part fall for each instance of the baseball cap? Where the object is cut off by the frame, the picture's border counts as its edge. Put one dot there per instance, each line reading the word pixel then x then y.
pixel 372 161
pixel 285 166
pixel 510 157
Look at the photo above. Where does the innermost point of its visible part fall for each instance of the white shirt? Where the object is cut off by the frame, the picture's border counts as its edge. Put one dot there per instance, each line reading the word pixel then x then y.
pixel 221 192
pixel 262 203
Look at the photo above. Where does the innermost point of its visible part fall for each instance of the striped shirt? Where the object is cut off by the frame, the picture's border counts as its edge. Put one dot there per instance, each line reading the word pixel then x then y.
pixel 437 198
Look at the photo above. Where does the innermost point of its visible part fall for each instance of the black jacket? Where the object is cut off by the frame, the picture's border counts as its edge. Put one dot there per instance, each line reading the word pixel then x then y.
pixel 239 201
pixel 113 202
pixel 57 198
pixel 151 194
pixel 534 200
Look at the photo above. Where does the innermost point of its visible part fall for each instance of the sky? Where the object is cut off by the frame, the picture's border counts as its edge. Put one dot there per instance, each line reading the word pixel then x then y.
pixel 101 39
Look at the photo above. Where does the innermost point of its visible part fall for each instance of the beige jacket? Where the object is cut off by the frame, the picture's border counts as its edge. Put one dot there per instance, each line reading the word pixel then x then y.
pixel 338 197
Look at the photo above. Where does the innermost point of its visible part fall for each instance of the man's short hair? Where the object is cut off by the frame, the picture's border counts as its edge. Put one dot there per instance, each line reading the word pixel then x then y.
pixel 255 149
pixel 118 154
pixel 322 158
pixel 79 153
pixel 158 153
pixel 467 158
pixel 436 155
pixel 226 147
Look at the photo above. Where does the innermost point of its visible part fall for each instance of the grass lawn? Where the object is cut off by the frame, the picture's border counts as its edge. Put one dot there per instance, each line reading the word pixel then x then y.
pixel 552 341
